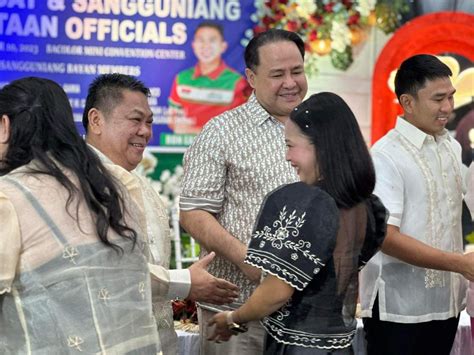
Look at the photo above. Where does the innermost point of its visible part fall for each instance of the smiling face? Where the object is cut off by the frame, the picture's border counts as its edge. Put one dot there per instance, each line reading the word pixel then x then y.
pixel 208 45
pixel 430 110
pixel 124 132
pixel 279 79
pixel 301 153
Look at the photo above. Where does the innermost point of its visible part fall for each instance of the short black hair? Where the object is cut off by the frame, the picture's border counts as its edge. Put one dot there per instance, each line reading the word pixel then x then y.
pixel 273 35
pixel 416 70
pixel 218 27
pixel 343 160
pixel 106 91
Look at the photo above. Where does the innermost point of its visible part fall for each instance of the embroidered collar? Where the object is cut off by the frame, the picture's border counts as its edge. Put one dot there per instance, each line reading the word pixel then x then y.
pixel 213 74
pixel 103 158
pixel 416 136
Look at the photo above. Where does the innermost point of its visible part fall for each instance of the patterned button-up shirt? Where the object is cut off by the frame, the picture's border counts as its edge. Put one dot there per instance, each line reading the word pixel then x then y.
pixel 234 162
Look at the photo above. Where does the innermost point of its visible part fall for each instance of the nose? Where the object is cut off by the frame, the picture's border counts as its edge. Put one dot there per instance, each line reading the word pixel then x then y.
pixel 289 81
pixel 145 130
pixel 448 105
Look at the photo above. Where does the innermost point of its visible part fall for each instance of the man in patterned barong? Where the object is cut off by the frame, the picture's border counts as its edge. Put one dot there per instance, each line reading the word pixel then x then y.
pixel 233 163
pixel 118 122
pixel 413 291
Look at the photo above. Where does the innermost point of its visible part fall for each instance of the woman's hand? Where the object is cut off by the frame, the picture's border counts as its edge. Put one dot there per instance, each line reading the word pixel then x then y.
pixel 221 329
pixel 267 298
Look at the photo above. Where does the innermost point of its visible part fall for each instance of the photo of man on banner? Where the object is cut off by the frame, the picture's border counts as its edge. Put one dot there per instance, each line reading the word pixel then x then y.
pixel 209 88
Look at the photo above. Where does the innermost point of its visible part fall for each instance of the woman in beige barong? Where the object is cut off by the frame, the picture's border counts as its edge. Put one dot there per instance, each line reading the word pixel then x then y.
pixel 73 277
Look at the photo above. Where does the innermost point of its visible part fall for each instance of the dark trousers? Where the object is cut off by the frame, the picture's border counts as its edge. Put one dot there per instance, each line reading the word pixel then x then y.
pixel 427 338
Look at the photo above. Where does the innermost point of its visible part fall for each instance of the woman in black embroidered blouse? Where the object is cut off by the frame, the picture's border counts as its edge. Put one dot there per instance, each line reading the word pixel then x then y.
pixel 311 238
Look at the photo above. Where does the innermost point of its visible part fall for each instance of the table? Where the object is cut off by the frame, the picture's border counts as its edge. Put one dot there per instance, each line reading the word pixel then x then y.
pixel 188 343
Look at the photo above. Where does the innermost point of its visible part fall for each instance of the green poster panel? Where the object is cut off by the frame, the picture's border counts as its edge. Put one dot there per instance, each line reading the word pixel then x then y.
pixel 166 161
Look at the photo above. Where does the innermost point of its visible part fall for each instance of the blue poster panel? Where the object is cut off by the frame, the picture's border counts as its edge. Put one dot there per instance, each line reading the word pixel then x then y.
pixel 189 52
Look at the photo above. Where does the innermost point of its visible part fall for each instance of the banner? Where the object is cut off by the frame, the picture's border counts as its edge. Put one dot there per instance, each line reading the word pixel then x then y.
pixel 73 41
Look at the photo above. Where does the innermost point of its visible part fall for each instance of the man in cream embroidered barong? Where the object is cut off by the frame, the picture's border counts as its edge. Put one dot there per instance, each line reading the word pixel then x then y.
pixel 413 290
pixel 118 120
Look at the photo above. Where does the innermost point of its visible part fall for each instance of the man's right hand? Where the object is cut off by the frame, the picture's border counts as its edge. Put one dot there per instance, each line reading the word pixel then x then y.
pixel 207 288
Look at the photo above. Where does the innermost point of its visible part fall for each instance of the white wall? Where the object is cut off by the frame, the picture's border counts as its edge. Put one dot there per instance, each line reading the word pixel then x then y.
pixel 355 84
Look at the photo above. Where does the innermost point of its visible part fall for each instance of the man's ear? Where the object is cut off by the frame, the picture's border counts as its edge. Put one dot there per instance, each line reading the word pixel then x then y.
pixel 406 101
pixel 250 77
pixel 4 129
pixel 224 47
pixel 96 121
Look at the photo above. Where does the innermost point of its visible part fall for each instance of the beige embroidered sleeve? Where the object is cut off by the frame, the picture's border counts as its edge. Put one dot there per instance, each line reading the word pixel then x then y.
pixel 10 243
pixel 165 284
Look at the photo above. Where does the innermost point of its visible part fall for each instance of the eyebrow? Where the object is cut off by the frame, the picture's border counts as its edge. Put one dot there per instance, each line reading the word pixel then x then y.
pixel 136 110
pixel 442 94
pixel 278 70
pixel 140 112
pixel 275 72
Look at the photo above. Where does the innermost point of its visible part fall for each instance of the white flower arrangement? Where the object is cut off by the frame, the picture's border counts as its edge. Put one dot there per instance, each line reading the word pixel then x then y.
pixel 169 184
pixel 147 165
pixel 366 6
pixel 327 27
pixel 305 8
pixel 340 35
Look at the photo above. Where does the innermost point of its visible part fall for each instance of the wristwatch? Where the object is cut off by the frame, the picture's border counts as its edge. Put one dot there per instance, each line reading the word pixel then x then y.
pixel 233 326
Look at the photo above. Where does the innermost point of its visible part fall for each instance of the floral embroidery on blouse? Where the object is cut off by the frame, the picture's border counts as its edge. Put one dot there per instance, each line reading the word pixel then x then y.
pixel 70 253
pixel 104 295
pixel 141 289
pixel 288 227
pixel 295 239
pixel 75 342
pixel 283 242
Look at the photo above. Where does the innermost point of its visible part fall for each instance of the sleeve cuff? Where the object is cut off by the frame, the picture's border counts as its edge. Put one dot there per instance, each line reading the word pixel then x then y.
pixel 5 287
pixel 180 283
pixel 394 221
pixel 286 271
pixel 196 203
pixel 10 244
